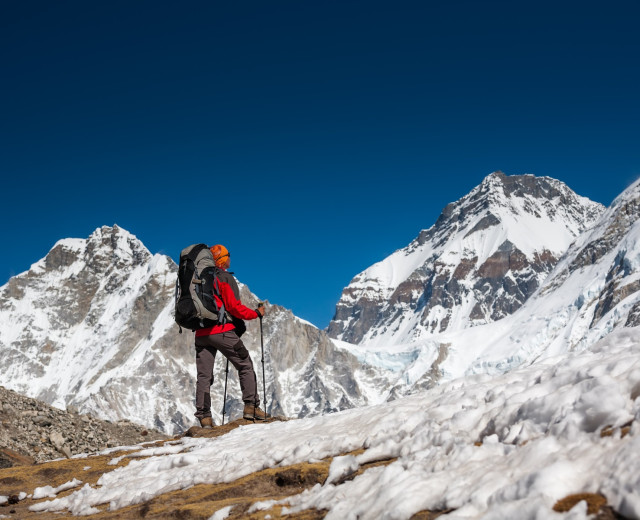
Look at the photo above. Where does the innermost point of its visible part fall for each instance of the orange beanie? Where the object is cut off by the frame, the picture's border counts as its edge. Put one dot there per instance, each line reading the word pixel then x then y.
pixel 221 256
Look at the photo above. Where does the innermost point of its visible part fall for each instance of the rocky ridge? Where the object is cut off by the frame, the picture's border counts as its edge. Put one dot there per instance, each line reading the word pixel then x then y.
pixel 32 431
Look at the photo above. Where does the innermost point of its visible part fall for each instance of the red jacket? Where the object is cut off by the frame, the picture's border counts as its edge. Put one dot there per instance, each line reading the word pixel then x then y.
pixel 230 297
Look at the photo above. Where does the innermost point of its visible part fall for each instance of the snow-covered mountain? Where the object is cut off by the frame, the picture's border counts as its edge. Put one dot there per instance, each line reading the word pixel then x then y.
pixel 483 258
pixel 593 290
pixel 518 270
pixel 91 325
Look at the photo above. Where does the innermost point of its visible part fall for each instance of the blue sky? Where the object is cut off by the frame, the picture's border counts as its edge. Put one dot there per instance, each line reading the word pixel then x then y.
pixel 311 138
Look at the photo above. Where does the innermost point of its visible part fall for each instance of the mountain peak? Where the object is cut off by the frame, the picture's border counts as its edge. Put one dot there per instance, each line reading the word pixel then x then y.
pixel 493 179
pixel 481 260
pixel 106 247
pixel 114 234
pixel 117 246
pixel 514 201
pixel 523 185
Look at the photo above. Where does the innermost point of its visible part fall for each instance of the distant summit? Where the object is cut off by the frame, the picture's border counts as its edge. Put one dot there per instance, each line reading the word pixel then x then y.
pixel 484 257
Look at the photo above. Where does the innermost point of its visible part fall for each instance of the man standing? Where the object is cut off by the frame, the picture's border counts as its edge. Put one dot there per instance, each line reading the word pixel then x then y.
pixel 224 338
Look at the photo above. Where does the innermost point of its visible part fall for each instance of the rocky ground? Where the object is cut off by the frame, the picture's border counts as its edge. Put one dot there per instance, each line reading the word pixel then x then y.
pixel 32 432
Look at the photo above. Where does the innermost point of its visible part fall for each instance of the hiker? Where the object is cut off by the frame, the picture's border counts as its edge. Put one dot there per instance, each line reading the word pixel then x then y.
pixel 225 338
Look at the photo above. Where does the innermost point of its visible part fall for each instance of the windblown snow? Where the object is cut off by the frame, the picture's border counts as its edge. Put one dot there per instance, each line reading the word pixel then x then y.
pixel 491 447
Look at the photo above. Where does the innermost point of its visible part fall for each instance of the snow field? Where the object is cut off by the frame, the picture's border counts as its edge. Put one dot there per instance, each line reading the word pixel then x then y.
pixel 492 448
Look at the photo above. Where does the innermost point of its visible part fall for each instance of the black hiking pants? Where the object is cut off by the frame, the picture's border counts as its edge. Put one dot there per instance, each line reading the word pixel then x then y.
pixel 231 347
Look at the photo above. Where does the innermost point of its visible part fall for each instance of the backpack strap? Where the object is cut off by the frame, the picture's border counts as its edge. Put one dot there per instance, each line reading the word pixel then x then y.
pixel 222 313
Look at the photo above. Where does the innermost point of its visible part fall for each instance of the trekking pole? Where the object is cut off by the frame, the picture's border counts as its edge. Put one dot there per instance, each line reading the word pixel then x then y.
pixel 224 399
pixel 264 386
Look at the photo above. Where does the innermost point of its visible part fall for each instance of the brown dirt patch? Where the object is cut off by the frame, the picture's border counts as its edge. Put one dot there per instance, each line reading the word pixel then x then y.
pixel 217 431
pixel 9 458
pixel 596 505
pixel 430 515
pixel 594 502
pixel 609 431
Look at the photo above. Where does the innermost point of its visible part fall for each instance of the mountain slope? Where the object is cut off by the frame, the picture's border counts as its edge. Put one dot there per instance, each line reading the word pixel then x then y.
pixel 91 325
pixel 482 259
pixel 593 290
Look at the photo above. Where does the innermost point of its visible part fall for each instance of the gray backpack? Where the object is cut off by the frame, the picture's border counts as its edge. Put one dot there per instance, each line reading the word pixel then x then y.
pixel 196 288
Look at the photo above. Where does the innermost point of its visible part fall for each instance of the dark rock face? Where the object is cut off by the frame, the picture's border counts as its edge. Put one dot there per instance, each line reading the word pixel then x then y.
pixel 633 318
pixel 485 223
pixel 609 242
pixel 620 283
pixel 351 322
pixel 506 280
pixel 462 280
pixel 625 216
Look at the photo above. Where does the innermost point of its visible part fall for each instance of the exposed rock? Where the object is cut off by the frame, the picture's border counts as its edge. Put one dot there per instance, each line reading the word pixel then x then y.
pixel 633 319
pixel 56 438
pixel 24 439
pixel 42 420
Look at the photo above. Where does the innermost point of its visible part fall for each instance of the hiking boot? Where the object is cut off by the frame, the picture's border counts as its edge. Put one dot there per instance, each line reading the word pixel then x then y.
pixel 254 412
pixel 206 422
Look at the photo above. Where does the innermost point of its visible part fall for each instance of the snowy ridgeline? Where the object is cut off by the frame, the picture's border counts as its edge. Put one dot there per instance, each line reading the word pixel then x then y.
pixel 487 447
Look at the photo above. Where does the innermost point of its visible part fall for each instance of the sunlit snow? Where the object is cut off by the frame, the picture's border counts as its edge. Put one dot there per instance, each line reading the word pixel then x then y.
pixel 486 447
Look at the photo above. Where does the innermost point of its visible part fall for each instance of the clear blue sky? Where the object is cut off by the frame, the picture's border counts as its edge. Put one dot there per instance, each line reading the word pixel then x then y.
pixel 311 138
